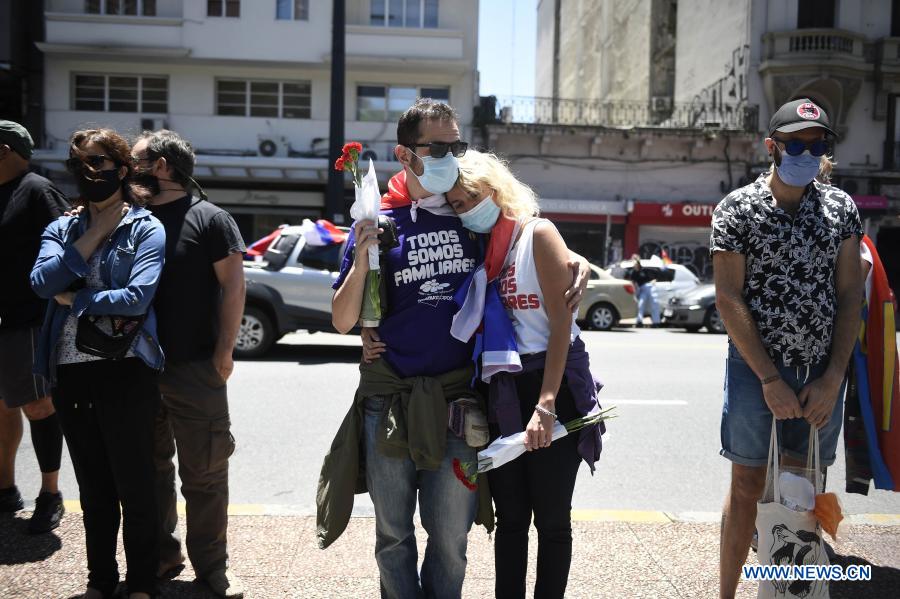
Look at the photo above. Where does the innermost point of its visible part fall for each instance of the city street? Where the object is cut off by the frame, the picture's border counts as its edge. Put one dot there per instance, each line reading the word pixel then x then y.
pixel 660 454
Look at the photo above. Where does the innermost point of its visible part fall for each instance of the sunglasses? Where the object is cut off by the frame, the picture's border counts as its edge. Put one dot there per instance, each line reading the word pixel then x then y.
pixel 439 149
pixel 795 147
pixel 95 161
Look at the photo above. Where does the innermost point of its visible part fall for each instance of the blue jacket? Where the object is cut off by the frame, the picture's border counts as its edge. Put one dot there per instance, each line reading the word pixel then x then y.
pixel 130 265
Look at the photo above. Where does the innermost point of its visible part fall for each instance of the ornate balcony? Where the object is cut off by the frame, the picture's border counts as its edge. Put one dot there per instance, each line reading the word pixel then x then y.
pixel 658 113
pixel 829 65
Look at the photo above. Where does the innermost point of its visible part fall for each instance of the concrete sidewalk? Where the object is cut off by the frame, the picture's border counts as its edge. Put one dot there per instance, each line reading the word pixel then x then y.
pixel 277 556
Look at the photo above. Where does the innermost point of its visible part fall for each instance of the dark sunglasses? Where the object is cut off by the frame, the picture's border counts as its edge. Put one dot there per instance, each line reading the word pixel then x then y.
pixel 95 161
pixel 795 147
pixel 439 149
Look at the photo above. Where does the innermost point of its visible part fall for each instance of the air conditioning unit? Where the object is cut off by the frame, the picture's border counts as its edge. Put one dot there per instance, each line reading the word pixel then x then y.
pixel 661 103
pixel 853 185
pixel 149 124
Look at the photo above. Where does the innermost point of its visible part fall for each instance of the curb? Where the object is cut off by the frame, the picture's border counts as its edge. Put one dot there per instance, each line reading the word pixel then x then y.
pixel 628 516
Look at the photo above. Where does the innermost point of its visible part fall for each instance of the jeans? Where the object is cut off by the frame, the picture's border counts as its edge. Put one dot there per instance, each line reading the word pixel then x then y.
pixel 446 506
pixel 647 297
pixel 540 482
pixel 106 410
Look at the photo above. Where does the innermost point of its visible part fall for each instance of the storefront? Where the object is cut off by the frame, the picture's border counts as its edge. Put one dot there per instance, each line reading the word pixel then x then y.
pixel 592 228
pixel 680 229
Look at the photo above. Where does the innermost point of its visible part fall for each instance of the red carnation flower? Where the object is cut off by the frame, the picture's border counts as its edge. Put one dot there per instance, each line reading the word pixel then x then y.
pixel 339 163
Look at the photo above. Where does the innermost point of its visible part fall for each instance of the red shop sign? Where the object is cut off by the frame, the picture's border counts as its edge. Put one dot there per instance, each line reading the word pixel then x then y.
pixel 871 202
pixel 683 213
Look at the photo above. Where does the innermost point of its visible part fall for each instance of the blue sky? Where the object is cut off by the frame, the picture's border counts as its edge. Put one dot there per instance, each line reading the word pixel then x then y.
pixel 507 31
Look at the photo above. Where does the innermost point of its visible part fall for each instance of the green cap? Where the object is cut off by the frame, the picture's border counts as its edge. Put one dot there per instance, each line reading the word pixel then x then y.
pixel 16 137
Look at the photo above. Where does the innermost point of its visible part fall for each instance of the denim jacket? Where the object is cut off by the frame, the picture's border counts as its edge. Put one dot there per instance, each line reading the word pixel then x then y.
pixel 130 265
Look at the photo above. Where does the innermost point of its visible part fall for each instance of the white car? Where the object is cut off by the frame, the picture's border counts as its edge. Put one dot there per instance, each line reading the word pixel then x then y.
pixel 671 279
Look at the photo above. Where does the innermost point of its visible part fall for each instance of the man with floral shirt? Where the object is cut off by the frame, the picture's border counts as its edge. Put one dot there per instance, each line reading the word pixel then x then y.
pixel 786 259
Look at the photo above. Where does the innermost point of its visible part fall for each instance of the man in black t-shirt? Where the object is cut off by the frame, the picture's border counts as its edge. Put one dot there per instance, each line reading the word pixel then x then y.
pixel 646 293
pixel 28 203
pixel 199 305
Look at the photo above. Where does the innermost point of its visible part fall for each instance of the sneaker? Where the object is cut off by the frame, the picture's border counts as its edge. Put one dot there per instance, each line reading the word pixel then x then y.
pixel 11 500
pixel 48 511
pixel 225 584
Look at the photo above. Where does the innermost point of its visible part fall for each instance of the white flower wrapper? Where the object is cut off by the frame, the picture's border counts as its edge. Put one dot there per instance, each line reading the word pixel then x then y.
pixel 367 206
pixel 505 449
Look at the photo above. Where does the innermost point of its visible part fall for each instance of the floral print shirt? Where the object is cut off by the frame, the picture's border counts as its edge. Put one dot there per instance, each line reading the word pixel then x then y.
pixel 790 264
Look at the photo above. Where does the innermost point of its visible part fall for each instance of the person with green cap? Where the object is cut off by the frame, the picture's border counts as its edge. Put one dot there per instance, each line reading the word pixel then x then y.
pixel 28 203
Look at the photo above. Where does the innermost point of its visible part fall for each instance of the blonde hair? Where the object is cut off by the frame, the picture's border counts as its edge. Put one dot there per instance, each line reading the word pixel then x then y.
pixel 483 169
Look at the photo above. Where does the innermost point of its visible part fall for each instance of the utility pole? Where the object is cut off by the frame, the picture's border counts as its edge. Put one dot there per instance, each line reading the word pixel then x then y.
pixel 334 192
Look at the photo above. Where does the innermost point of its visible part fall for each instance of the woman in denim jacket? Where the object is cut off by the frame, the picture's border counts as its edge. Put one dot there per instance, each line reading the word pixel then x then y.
pixel 106 262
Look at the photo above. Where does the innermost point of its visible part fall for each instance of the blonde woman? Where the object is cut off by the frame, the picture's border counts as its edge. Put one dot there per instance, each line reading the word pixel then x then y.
pixel 554 383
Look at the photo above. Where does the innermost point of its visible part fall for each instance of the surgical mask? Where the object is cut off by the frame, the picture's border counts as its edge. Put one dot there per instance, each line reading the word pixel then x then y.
pixel 797 171
pixel 440 174
pixel 101 187
pixel 482 217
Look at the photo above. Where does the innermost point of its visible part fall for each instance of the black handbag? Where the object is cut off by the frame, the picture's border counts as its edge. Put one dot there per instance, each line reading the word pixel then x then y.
pixel 91 339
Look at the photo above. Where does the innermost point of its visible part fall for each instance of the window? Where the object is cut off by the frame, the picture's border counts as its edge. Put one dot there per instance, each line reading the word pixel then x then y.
pixel 324 257
pixel 223 8
pixel 145 8
pixel 384 103
pixel 284 99
pixel 296 10
pixel 404 13
pixel 121 93
pixel 815 14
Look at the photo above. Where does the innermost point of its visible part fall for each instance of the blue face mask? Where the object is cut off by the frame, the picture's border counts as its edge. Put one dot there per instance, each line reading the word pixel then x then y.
pixel 482 217
pixel 798 171
pixel 440 173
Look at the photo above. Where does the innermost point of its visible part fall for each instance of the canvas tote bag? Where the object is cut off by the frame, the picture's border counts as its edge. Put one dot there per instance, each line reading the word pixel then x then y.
pixel 786 536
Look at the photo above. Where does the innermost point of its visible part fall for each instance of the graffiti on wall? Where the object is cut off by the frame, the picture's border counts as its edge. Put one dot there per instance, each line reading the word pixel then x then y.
pixel 691 254
pixel 728 94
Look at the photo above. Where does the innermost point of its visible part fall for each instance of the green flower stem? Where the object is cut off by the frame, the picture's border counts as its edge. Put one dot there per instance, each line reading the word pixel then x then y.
pixel 370 315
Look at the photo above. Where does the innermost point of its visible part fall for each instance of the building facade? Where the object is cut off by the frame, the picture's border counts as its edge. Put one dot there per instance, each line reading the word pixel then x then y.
pixel 671 98
pixel 248 83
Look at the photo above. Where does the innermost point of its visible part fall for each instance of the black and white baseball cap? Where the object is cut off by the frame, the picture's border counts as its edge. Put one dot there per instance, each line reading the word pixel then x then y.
pixel 797 115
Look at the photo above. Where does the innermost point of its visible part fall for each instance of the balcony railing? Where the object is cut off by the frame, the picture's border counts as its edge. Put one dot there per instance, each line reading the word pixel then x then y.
pixel 659 113
pixel 813 43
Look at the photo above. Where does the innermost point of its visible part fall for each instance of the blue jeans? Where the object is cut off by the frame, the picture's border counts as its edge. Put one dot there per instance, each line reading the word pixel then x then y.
pixel 647 297
pixel 447 509
pixel 747 420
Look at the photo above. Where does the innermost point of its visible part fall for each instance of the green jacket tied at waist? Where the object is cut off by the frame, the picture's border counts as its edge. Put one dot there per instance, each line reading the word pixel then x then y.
pixel 413 424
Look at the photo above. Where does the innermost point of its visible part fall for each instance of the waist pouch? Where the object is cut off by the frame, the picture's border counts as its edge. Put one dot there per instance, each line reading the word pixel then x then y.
pixel 112 341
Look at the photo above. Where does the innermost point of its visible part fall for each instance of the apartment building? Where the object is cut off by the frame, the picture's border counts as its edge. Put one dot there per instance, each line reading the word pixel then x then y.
pixel 248 83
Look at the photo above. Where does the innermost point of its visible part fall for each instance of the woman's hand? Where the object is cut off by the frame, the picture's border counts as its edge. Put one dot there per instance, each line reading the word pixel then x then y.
pixel 539 432
pixel 366 234
pixel 373 347
pixel 65 298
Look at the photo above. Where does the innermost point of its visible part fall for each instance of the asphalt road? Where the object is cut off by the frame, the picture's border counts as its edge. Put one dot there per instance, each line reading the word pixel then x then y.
pixel 660 454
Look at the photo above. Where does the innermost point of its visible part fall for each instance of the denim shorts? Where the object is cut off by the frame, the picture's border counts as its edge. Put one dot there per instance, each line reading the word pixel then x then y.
pixel 747 420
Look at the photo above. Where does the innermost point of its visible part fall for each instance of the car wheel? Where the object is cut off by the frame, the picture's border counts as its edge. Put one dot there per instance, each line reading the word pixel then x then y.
pixel 602 317
pixel 256 334
pixel 713 321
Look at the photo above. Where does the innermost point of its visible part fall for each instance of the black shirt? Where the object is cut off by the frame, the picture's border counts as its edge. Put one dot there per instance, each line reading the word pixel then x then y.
pixel 198 234
pixel 641 276
pixel 790 264
pixel 27 205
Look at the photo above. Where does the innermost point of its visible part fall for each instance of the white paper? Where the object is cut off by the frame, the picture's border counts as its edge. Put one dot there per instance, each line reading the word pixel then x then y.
pixel 505 449
pixel 367 206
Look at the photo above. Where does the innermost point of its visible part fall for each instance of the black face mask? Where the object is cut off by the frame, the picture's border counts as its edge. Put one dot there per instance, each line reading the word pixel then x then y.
pixel 148 180
pixel 101 188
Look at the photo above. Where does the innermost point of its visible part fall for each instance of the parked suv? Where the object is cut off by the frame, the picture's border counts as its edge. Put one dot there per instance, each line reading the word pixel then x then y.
pixel 289 290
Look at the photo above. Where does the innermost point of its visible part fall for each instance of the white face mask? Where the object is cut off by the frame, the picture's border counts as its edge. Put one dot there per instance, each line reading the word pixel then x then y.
pixel 482 217
pixel 439 174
